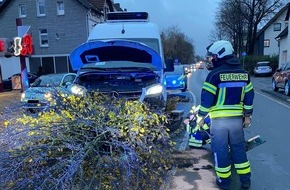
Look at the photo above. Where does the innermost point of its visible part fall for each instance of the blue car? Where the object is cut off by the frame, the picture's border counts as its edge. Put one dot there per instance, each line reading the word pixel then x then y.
pixel 177 79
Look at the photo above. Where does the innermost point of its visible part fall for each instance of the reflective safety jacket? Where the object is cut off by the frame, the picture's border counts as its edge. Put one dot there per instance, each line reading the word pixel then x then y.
pixel 227 91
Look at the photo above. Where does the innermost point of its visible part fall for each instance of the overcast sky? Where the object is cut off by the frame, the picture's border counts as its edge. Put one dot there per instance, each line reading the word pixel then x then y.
pixel 195 18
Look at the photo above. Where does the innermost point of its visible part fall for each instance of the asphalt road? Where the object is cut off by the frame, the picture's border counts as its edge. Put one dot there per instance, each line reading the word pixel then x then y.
pixel 269 162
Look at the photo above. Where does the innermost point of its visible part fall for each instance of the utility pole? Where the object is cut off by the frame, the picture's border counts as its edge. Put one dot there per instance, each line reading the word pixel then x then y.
pixel 24 76
pixel 244 55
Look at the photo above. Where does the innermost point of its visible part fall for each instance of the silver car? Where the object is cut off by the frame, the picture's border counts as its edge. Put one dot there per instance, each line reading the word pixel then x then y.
pixel 44 89
pixel 263 68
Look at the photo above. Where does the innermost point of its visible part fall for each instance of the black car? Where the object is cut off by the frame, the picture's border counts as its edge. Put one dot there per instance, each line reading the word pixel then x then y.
pixel 7 84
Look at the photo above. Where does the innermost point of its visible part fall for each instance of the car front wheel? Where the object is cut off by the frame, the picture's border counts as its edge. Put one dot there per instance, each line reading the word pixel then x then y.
pixel 185 88
pixel 274 86
pixel 287 88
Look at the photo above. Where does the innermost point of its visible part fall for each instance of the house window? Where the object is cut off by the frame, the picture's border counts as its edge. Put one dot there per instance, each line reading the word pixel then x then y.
pixel 43 36
pixel 60 7
pixel 277 26
pixel 40 4
pixel 22 10
pixel 267 43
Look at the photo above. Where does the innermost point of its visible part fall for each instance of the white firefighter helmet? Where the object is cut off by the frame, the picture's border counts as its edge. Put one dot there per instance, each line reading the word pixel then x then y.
pixel 220 48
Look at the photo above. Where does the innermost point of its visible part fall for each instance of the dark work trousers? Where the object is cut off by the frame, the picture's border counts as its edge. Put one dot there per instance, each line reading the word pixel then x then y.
pixel 228 147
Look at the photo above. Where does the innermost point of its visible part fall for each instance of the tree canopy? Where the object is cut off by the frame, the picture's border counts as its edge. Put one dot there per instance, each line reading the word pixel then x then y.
pixel 177 45
pixel 238 21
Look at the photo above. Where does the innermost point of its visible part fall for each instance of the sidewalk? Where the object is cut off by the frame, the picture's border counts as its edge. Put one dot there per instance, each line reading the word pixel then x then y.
pixel 8 98
pixel 194 169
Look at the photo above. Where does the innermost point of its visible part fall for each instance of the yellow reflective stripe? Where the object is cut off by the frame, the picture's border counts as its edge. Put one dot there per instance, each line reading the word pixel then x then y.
pixel 181 77
pixel 226 169
pixel 243 168
pixel 243 94
pixel 205 126
pixel 249 87
pixel 193 142
pixel 221 96
pixel 242 165
pixel 244 171
pixel 203 109
pixel 226 113
pixel 224 175
pixel 248 107
pixel 227 107
pixel 209 87
pixel 223 172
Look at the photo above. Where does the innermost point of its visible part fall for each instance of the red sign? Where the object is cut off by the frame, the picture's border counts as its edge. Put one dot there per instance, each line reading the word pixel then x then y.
pixel 23 46
pixel 26 45
pixel 2 45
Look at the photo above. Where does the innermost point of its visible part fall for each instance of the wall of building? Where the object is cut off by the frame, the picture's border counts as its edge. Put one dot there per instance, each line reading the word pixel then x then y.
pixel 270 34
pixel 9 66
pixel 65 32
pixel 284 51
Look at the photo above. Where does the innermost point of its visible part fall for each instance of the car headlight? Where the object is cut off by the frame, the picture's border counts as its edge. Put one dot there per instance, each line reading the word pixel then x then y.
pixel 47 95
pixel 78 90
pixel 154 90
pixel 22 96
pixel 151 91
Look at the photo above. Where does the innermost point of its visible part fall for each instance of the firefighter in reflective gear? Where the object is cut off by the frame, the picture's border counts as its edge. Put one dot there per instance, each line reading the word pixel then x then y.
pixel 227 96
pixel 198 136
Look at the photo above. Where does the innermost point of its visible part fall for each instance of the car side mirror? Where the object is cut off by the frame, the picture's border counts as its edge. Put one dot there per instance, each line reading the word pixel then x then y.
pixel 169 63
pixel 67 84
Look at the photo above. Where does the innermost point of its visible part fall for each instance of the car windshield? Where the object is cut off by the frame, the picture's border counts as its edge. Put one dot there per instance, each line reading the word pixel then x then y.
pixel 47 80
pixel 178 70
pixel 260 64
pixel 153 43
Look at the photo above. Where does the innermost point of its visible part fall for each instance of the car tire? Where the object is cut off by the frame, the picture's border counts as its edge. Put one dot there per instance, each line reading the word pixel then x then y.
pixel 287 88
pixel 184 89
pixel 274 86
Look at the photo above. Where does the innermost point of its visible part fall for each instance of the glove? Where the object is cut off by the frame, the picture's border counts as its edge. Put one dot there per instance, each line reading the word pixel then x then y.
pixel 247 121
pixel 199 121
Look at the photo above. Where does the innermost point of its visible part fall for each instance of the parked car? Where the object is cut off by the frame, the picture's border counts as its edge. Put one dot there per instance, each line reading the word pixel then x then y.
pixel 281 79
pixel 7 84
pixel 209 65
pixel 176 79
pixel 199 65
pixel 44 89
pixel 187 69
pixel 263 68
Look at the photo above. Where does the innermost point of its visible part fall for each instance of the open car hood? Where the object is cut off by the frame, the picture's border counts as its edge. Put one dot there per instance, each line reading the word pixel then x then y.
pixel 106 51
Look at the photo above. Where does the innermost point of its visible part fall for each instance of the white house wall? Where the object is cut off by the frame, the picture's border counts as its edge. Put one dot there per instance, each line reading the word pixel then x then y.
pixel 10 66
pixel 287 47
pixel 284 52
pixel 270 34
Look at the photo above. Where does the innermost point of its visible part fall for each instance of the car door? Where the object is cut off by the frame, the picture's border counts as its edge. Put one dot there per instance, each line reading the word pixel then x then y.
pixel 284 74
pixel 68 79
pixel 278 76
